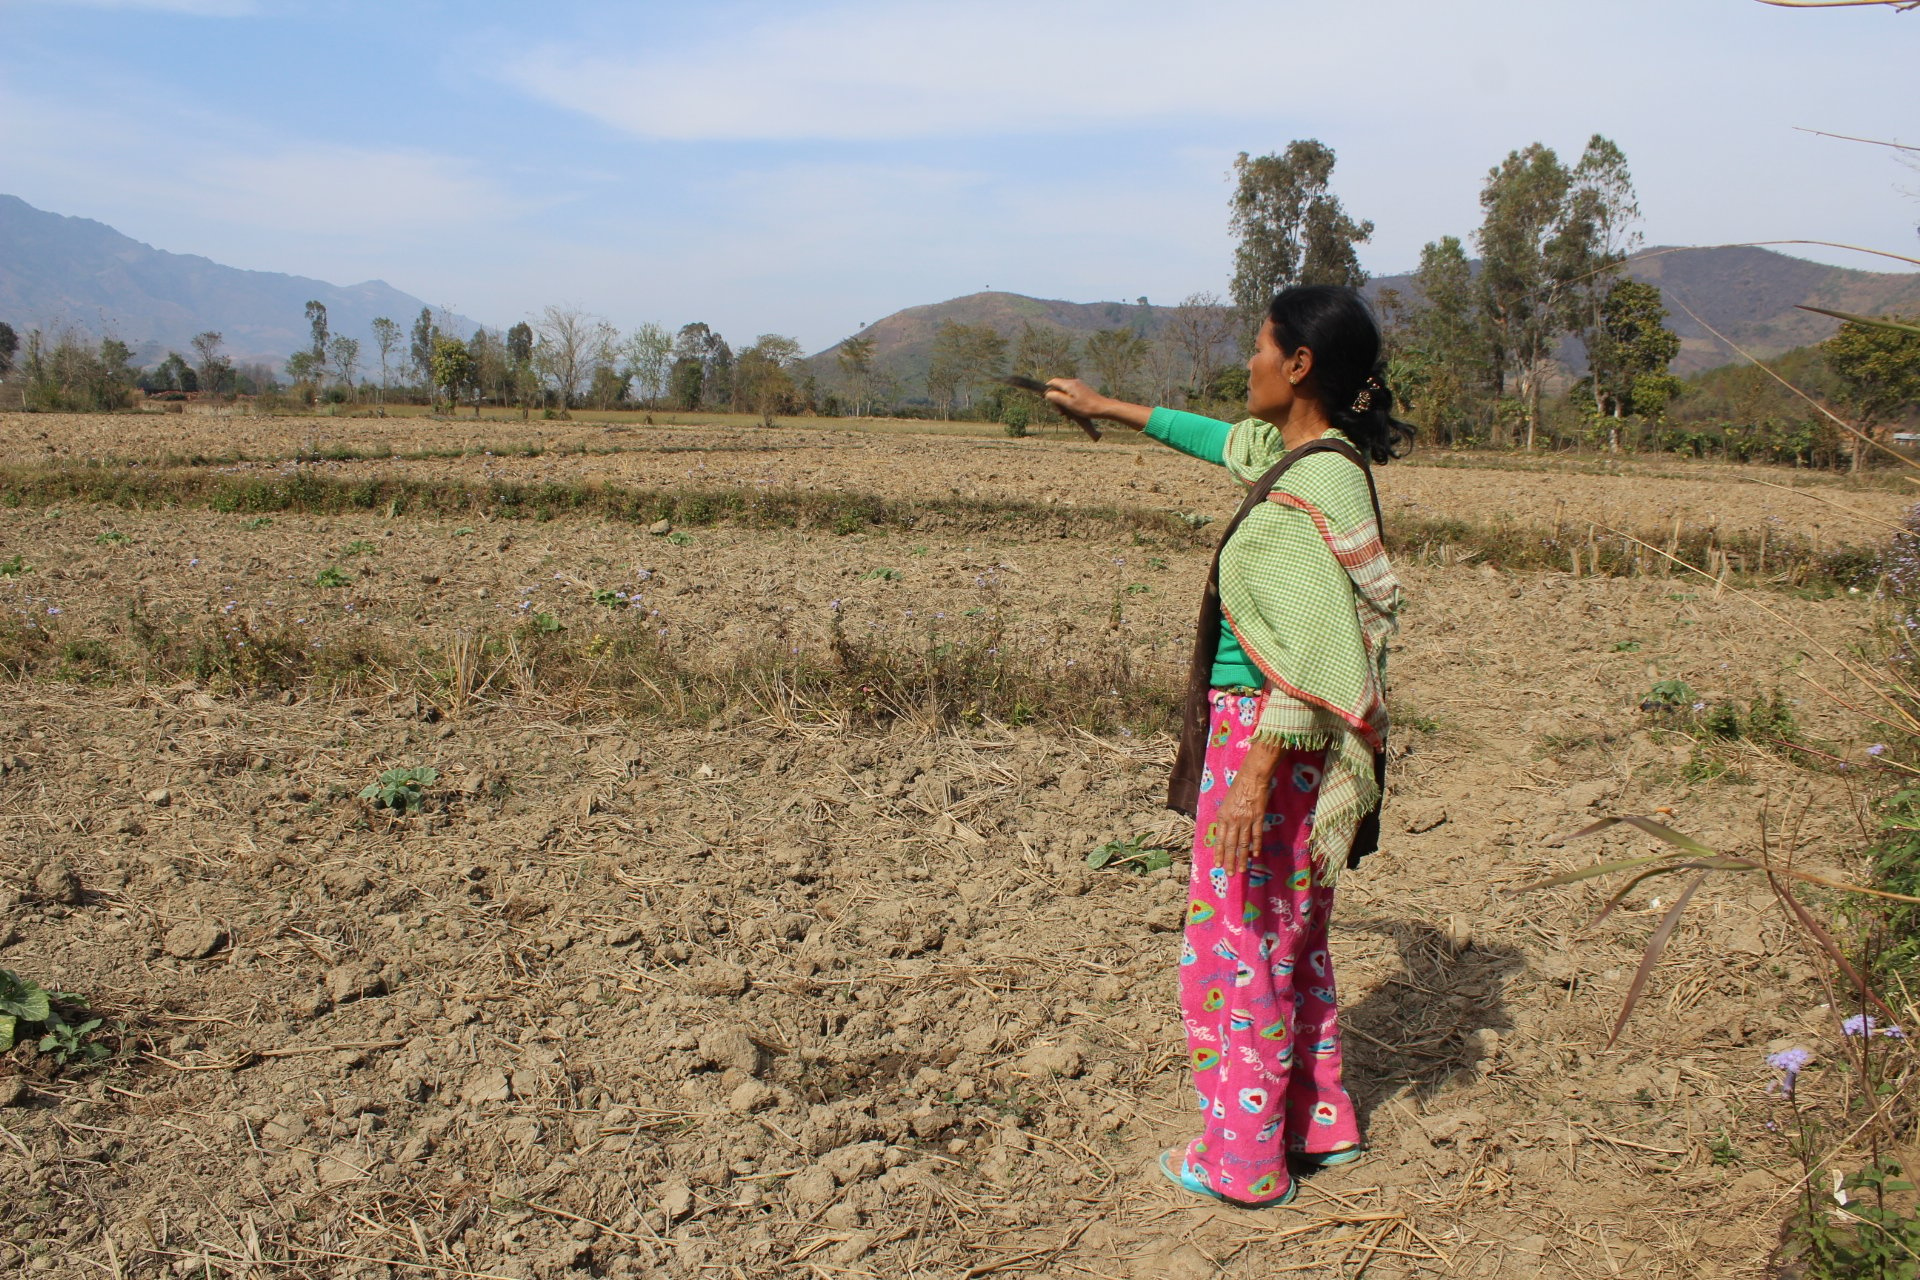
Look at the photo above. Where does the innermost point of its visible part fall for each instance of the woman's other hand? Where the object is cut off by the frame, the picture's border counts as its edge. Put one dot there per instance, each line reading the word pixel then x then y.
pixel 1075 396
pixel 1242 816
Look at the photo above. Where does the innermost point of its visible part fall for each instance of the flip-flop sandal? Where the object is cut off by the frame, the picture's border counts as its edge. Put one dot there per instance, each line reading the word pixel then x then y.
pixel 1183 1178
pixel 1327 1159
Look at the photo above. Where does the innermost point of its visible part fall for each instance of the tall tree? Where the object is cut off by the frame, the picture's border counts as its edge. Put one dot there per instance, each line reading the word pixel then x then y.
pixel 649 356
pixel 317 323
pixel 1440 353
pixel 1629 354
pixel 214 370
pixel 425 332
pixel 1203 327
pixel 763 376
pixel 520 366
pixel 1537 244
pixel 702 370
pixel 386 340
pixel 569 342
pixel 344 354
pixel 1115 355
pixel 492 372
pixel 9 343
pixel 451 367
pixel 1878 370
pixel 1291 228
pixel 964 356
pixel 855 358
pixel 1603 205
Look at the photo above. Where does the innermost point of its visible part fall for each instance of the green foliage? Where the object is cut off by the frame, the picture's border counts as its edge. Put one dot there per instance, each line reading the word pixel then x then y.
pixel 1014 419
pixel 68 374
pixel 1135 853
pixel 111 538
pixel 257 523
pixel 680 538
pixel 1290 226
pixel 360 547
pixel 26 1006
pixel 881 575
pixel 401 790
pixel 452 366
pixel 1878 368
pixel 1896 866
pixel 14 566
pixel 333 576
pixel 1875 1235
pixel 545 624
pixel 1669 696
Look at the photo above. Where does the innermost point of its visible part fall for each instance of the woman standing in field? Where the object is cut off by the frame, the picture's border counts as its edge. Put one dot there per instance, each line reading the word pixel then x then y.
pixel 1284 738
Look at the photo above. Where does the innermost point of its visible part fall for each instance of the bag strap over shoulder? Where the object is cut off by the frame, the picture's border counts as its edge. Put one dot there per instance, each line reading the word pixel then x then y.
pixel 1183 785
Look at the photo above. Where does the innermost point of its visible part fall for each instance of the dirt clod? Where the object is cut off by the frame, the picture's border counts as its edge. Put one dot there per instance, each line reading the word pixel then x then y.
pixel 353 982
pixel 486 1084
pixel 57 882
pixel 194 940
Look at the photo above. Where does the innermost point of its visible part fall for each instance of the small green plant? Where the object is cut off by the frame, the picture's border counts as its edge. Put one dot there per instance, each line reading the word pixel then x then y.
pixel 611 599
pixel 1866 1228
pixel 333 576
pixel 545 623
pixel 1669 696
pixel 1193 519
pixel 464 531
pixel 918 551
pixel 1156 562
pixel 1626 646
pixel 1135 853
pixel 1722 1151
pixel 14 566
pixel 25 1005
pixel 401 790
pixel 359 547
pixel 257 523
pixel 1138 588
pixel 111 538
pixel 680 539
pixel 882 575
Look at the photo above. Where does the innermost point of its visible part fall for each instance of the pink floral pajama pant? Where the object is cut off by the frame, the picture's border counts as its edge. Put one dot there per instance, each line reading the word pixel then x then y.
pixel 1256 983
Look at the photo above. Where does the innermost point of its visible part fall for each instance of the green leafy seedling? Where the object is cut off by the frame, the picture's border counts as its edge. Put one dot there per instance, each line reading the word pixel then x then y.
pixel 359 547
pixel 1669 695
pixel 1626 646
pixel 464 531
pixel 111 538
pixel 333 576
pixel 680 539
pixel 67 1041
pixel 610 598
pixel 401 790
pixel 1138 588
pixel 546 623
pixel 21 1001
pixel 882 575
pixel 14 566
pixel 1135 854
pixel 1156 562
pixel 256 524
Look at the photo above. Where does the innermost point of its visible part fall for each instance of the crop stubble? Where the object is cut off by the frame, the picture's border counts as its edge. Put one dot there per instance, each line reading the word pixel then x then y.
pixel 788 996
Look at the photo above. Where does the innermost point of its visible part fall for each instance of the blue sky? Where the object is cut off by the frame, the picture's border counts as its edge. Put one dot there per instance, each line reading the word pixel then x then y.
pixel 806 166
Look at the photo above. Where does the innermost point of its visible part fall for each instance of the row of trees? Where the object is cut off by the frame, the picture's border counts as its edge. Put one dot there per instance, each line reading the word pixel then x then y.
pixel 567 358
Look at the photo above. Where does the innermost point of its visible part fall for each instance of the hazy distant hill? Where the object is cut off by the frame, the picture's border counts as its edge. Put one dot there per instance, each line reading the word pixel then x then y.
pixel 1747 294
pixel 56 270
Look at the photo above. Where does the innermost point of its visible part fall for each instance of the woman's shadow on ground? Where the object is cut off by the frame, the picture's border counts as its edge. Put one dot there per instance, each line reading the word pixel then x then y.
pixel 1426 1025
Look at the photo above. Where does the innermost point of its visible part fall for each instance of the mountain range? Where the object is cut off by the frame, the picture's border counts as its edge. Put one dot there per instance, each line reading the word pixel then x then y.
pixel 1750 295
pixel 63 271
pixel 57 272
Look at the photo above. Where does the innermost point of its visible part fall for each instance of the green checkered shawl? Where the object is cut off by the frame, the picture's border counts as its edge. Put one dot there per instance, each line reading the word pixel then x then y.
pixel 1307 588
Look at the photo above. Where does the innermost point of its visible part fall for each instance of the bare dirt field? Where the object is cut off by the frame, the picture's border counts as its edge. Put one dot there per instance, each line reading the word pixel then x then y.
pixel 811 980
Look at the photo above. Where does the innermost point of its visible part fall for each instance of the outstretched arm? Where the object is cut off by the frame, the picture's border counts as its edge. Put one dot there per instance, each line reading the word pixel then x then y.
pixel 1075 396
pixel 1200 437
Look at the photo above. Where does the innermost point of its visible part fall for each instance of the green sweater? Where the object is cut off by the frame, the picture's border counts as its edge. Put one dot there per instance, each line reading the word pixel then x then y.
pixel 1206 439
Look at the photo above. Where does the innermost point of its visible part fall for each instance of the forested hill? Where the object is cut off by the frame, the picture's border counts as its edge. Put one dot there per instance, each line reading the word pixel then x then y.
pixel 57 271
pixel 1749 295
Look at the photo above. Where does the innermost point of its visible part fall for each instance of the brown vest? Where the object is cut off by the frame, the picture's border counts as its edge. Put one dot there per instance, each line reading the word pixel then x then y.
pixel 1183 785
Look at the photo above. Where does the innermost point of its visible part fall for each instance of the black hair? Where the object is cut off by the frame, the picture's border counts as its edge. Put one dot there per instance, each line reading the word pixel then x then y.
pixel 1335 323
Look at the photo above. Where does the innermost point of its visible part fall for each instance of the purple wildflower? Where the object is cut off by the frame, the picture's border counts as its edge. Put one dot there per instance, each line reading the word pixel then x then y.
pixel 1789 1063
pixel 1876 748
